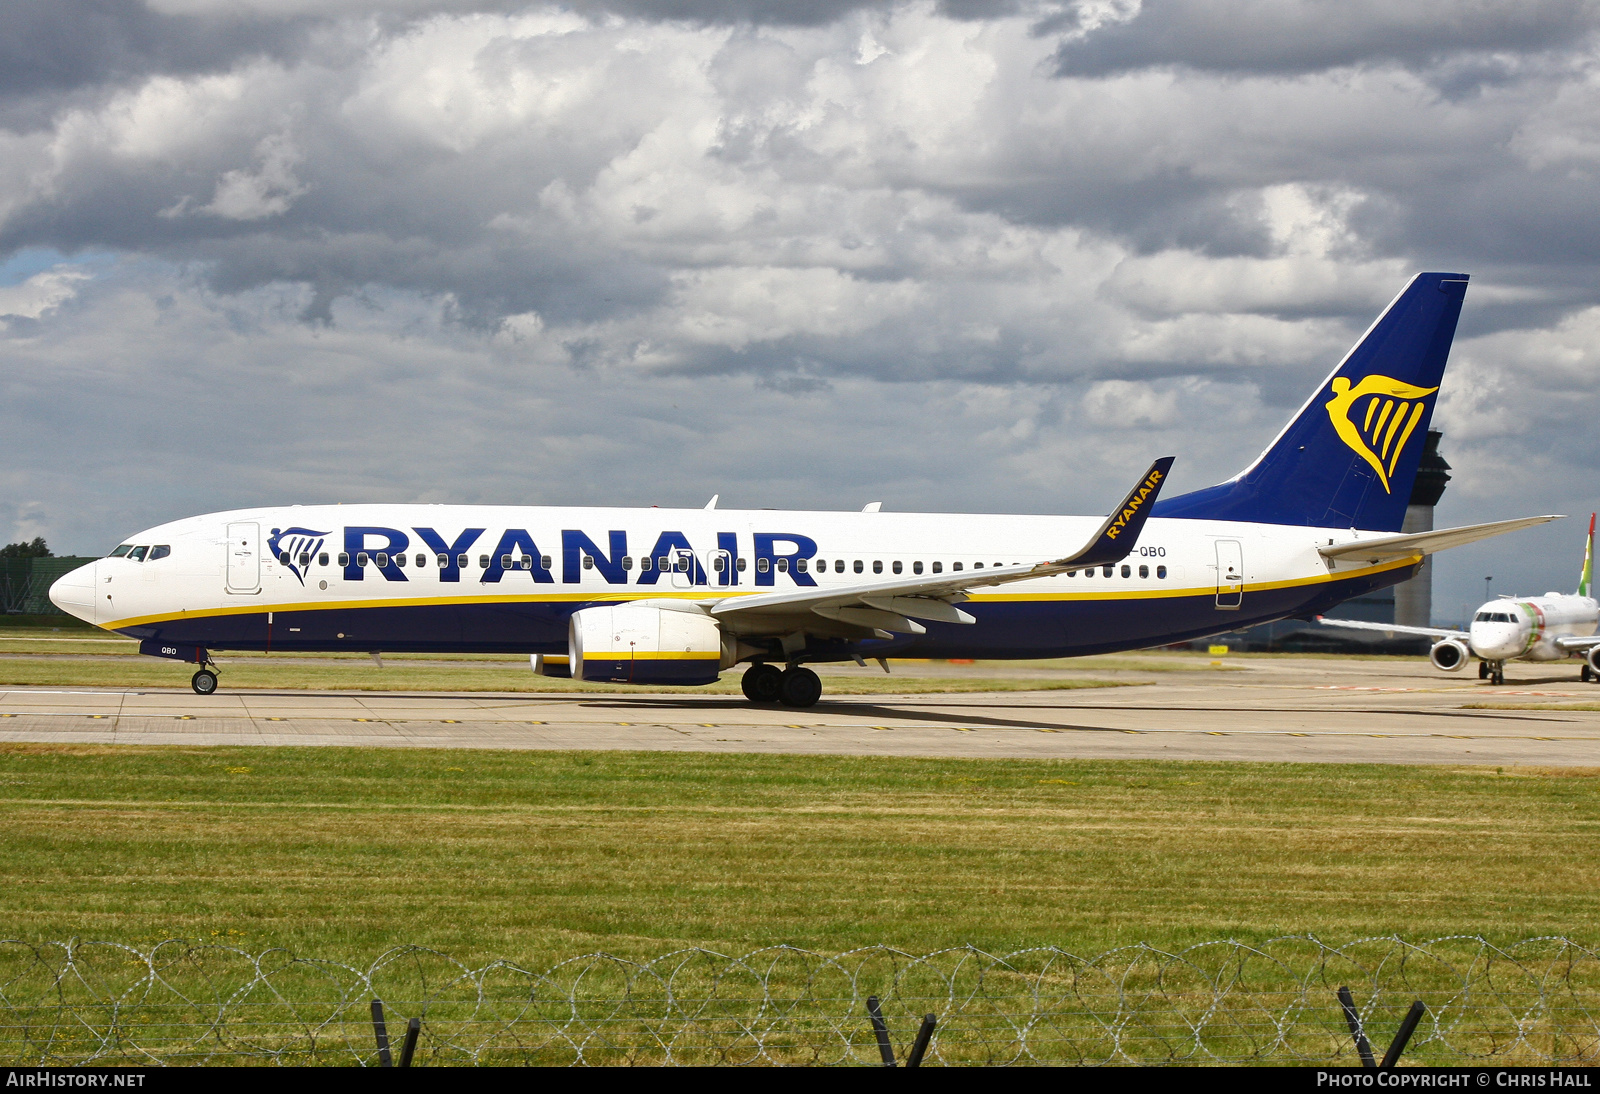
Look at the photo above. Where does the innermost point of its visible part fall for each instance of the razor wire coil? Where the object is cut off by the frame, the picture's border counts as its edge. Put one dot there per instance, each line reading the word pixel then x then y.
pixel 1536 1001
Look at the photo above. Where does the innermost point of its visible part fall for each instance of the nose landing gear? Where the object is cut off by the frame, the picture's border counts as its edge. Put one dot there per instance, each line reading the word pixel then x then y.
pixel 1492 671
pixel 204 682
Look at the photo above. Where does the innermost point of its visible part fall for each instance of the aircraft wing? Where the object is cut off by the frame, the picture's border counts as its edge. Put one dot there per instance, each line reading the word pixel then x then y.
pixel 1426 543
pixel 1392 628
pixel 1579 643
pixel 889 606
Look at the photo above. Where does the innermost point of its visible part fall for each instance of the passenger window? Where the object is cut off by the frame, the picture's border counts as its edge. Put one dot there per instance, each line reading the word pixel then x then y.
pixel 361 558
pixel 322 559
pixel 838 565
pixel 663 564
pixel 588 562
pixel 938 567
pixel 783 565
pixel 544 562
pixel 344 559
pixel 1144 571
pixel 161 550
pixel 1105 571
pixel 916 567
pixel 858 567
pixel 283 557
pixel 1127 571
pixel 483 562
pixel 800 565
pixel 399 560
pixel 1072 573
pixel 121 551
pixel 897 566
pixel 1161 572
pixel 739 565
pixel 527 562
pixel 954 566
pixel 383 560
pixel 505 562
pixel 305 560
pixel 683 564
pixel 718 564
pixel 422 562
pixel 645 564
pixel 627 562
pixel 761 565
pixel 877 565
pixel 444 561
pixel 1089 572
pixel 137 554
pixel 977 565
pixel 462 560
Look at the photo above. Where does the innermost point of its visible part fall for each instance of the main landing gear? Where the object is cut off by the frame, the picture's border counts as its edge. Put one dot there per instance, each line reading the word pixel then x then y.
pixel 793 687
pixel 204 682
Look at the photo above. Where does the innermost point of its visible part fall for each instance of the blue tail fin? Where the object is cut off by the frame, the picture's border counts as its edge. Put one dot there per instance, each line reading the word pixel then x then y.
pixel 1349 458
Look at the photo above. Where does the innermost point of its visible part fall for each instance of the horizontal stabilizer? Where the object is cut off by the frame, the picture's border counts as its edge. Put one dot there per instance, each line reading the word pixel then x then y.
pixel 1384 548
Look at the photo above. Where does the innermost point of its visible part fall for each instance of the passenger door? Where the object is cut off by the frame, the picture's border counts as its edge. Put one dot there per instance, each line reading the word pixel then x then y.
pixel 1230 574
pixel 244 558
pixel 683 567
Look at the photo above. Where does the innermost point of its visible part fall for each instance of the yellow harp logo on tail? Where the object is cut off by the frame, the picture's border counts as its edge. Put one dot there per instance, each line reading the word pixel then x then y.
pixel 1376 417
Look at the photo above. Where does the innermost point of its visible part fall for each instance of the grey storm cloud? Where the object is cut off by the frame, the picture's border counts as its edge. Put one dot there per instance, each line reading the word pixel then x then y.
pixel 1298 36
pixel 952 255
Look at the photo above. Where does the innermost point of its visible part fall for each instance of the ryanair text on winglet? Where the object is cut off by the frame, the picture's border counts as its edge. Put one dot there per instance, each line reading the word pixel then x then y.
pixel 1146 488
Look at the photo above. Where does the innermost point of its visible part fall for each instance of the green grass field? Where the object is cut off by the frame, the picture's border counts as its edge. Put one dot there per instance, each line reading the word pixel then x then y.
pixel 536 856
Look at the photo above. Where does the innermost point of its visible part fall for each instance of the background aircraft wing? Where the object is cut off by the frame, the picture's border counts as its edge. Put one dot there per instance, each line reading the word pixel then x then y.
pixel 892 605
pixel 1579 643
pixel 1392 628
pixel 1426 543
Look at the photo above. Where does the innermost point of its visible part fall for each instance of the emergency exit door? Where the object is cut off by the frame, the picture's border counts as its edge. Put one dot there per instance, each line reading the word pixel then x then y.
pixel 1230 574
pixel 244 558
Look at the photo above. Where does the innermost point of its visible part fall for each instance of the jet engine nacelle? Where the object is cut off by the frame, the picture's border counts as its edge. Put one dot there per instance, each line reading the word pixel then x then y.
pixel 1593 657
pixel 1449 655
pixel 639 644
pixel 549 664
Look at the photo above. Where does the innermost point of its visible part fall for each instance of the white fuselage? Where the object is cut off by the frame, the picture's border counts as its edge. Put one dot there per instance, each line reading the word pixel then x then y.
pixel 442 578
pixel 1527 628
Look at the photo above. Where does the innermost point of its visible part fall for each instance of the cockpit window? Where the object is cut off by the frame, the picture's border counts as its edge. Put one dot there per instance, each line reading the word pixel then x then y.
pixel 120 551
pixel 160 550
pixel 137 554
pixel 1493 617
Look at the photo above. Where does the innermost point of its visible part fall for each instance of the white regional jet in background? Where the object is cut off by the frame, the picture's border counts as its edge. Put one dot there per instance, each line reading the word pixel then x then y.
pixel 660 596
pixel 1516 628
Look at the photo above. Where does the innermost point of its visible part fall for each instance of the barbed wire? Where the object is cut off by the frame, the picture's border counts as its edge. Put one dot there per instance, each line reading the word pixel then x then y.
pixel 1536 1001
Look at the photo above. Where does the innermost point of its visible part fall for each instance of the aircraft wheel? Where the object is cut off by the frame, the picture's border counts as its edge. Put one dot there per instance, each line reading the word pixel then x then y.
pixel 761 683
pixel 1483 670
pixel 1584 674
pixel 1499 676
pixel 204 682
pixel 800 688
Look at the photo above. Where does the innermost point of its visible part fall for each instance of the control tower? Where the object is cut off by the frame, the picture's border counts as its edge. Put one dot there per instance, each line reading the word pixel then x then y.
pixel 1413 600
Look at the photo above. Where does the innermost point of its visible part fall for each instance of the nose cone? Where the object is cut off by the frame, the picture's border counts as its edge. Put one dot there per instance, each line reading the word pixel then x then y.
pixel 74 593
pixel 1496 641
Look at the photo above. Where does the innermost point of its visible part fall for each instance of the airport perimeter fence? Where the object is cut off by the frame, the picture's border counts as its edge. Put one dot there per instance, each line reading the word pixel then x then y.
pixel 179 1002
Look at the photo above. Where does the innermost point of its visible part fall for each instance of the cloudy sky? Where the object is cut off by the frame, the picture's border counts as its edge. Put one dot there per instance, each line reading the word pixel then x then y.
pixel 966 256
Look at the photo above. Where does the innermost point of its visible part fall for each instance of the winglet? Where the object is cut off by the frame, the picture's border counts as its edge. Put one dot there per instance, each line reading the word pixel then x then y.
pixel 1118 535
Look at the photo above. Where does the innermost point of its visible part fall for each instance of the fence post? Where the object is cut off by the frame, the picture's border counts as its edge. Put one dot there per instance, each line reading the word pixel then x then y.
pixel 381 1032
pixel 924 1035
pixel 1403 1037
pixel 881 1029
pixel 1353 1019
pixel 413 1028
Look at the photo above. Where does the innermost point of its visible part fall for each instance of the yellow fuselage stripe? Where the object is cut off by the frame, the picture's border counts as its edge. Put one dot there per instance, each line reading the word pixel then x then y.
pixel 716 592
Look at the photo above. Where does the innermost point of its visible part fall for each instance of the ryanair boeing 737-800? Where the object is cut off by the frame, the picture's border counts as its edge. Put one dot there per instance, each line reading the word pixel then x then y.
pixel 662 596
